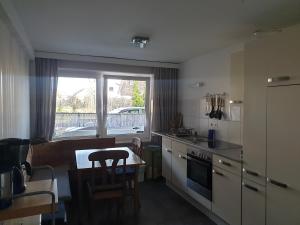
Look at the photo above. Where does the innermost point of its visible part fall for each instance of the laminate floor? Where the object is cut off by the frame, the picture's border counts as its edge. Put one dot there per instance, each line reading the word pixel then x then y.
pixel 160 206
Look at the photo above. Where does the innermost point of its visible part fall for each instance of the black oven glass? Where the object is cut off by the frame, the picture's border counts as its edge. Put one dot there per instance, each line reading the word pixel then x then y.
pixel 199 171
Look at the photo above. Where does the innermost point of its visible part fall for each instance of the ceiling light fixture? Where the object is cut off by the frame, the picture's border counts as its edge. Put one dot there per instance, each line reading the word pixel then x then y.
pixel 139 41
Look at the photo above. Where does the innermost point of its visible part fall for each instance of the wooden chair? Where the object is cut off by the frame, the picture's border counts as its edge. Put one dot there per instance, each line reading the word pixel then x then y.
pixel 137 146
pixel 111 184
pixel 132 173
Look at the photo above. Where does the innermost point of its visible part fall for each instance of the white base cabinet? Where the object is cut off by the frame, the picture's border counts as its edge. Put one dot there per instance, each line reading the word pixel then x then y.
pixel 167 159
pixel 179 165
pixel 226 194
pixel 253 203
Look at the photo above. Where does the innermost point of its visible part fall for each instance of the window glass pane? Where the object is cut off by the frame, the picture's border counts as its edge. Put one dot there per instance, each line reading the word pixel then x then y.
pixel 125 106
pixel 75 107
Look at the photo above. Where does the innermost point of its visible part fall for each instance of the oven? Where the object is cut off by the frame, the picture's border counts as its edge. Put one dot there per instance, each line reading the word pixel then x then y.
pixel 199 172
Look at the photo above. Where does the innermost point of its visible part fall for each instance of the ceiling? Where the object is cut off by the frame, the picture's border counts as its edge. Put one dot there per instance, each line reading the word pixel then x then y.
pixel 178 29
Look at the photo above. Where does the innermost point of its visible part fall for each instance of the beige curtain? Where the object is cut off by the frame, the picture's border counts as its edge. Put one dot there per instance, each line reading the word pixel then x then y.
pixel 43 85
pixel 164 98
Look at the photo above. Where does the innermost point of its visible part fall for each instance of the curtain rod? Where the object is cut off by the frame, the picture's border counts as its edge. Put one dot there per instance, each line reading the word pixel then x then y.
pixel 103 59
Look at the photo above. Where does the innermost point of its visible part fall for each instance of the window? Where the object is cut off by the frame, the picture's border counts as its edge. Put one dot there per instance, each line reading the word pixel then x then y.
pixel 126 106
pixel 105 104
pixel 75 107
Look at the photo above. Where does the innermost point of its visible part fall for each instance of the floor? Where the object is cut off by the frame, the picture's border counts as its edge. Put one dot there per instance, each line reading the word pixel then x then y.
pixel 160 206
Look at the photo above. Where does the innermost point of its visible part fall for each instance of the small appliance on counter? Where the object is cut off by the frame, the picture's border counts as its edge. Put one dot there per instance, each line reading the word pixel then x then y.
pixel 13 153
pixel 6 182
pixel 6 188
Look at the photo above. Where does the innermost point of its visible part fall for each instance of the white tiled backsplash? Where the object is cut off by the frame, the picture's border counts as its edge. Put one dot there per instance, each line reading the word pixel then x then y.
pixel 226 129
pixel 214 71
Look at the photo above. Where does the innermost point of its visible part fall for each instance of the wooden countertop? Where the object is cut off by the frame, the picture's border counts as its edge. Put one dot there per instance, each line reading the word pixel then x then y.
pixel 32 205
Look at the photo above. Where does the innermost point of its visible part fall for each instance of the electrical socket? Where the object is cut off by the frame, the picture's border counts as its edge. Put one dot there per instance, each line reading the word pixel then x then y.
pixel 213 124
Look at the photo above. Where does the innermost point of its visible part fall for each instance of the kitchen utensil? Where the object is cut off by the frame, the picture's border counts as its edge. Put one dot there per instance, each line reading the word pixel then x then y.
pixel 213 103
pixel 220 110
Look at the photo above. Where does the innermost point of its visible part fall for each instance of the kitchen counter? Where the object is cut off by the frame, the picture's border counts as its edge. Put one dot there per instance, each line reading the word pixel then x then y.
pixel 222 148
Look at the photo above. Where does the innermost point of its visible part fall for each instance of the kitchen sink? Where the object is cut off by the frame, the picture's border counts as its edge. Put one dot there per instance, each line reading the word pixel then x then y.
pixel 195 139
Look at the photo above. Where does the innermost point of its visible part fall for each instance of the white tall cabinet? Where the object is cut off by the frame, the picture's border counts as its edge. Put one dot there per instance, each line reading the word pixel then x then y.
pixel 271 130
pixel 283 155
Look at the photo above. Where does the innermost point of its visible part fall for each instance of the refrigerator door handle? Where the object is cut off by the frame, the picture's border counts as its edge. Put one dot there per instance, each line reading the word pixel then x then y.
pixel 277 183
pixel 278 79
pixel 250 187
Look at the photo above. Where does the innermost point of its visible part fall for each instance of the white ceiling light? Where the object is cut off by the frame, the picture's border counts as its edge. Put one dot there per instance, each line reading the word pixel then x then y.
pixel 139 41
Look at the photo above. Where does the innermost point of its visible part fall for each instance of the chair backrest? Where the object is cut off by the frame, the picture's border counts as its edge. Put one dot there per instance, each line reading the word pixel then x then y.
pixel 109 163
pixel 137 146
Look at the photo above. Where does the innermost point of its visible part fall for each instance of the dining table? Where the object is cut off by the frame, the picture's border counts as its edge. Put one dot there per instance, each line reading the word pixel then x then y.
pixel 84 169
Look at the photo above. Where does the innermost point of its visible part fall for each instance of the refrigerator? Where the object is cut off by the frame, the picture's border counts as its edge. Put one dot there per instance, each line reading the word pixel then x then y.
pixel 283 155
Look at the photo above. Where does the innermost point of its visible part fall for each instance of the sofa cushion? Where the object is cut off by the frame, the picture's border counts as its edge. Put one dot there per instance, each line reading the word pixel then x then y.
pixel 63 183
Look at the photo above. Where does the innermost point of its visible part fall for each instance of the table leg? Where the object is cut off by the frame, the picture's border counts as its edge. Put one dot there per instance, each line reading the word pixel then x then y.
pixel 79 196
pixel 137 203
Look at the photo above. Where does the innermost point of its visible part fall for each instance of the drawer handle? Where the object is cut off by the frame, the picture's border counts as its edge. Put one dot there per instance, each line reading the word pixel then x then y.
pixel 182 157
pixel 168 150
pixel 250 187
pixel 277 183
pixel 224 163
pixel 250 172
pixel 278 79
pixel 218 173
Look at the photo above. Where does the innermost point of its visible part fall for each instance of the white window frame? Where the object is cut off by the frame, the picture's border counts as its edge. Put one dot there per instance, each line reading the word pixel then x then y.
pixel 85 75
pixel 101 97
pixel 120 138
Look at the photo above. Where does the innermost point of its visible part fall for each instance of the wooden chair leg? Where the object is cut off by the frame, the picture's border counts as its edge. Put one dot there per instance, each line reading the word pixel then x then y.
pixel 91 211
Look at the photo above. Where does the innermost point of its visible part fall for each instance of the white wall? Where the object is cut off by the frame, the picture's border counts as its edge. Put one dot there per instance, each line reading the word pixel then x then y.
pixel 14 85
pixel 214 69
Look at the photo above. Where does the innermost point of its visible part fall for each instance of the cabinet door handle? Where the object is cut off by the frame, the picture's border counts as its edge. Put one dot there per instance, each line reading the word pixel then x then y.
pixel 218 173
pixel 168 150
pixel 278 79
pixel 250 187
pixel 182 157
pixel 250 172
pixel 277 183
pixel 224 162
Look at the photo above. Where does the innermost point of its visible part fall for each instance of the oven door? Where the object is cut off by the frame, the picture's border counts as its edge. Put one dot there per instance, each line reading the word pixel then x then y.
pixel 199 176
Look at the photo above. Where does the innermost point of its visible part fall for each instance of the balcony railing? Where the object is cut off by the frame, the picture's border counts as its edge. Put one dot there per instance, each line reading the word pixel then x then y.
pixel 82 124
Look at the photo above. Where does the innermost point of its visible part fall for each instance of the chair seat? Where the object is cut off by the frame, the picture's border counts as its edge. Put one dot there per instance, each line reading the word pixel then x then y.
pixel 128 170
pixel 108 187
pixel 109 194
